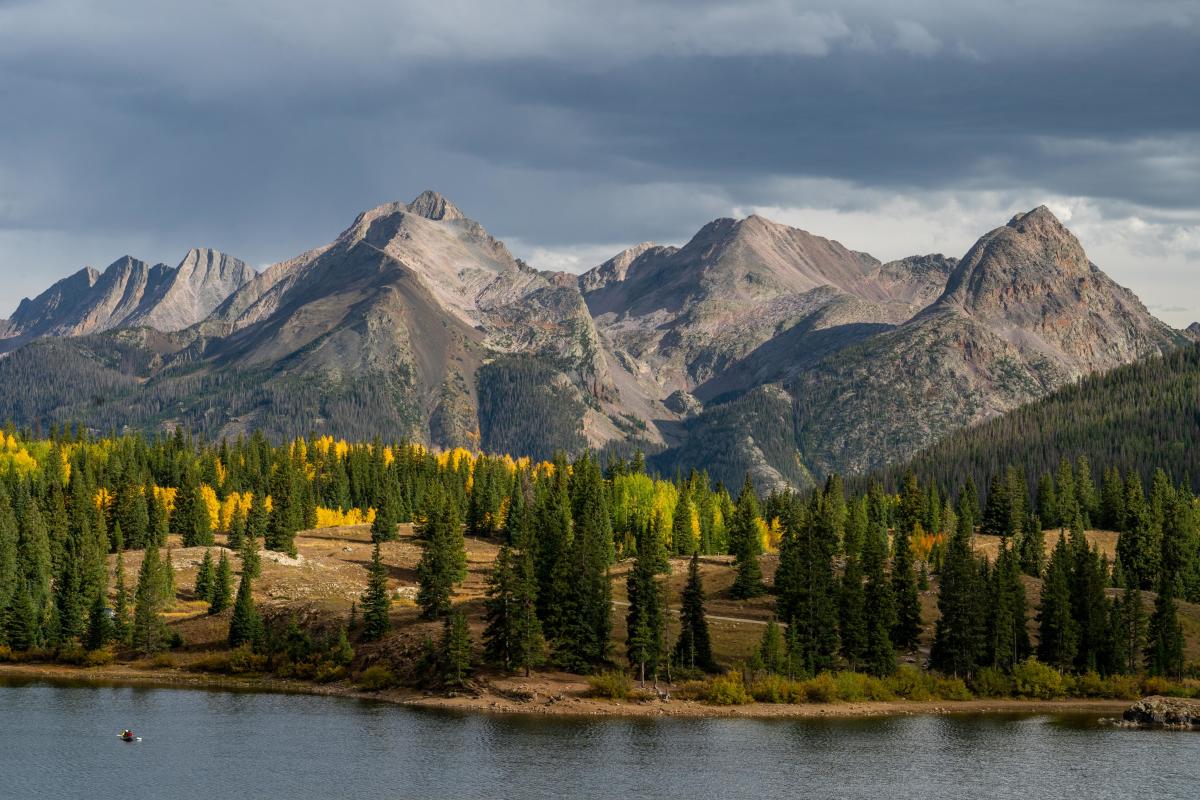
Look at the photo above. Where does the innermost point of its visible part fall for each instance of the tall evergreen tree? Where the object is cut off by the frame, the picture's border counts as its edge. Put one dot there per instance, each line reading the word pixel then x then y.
pixel 513 636
pixel 204 578
pixel 245 627
pixel 222 586
pixel 683 537
pixel 1007 617
pixel 879 655
pixel 746 545
pixel 958 644
pixel 455 650
pixel 376 602
pixel 443 561
pixel 1058 635
pixel 149 631
pixel 645 623
pixel 582 582
pixel 907 604
pixel 1129 630
pixel 693 648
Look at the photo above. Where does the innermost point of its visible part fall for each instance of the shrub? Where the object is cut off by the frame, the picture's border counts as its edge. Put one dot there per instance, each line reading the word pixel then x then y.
pixel 376 678
pixel 1122 687
pixel 6 653
pixel 691 690
pixel 1154 684
pixel 951 689
pixel 911 684
pixel 1089 684
pixel 773 689
pixel 329 672
pixel 98 658
pixel 727 690
pixel 1032 678
pixel 991 682
pixel 856 687
pixel 821 689
pixel 610 684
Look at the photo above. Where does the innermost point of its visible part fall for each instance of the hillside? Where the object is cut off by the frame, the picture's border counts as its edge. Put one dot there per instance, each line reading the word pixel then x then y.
pixel 1139 418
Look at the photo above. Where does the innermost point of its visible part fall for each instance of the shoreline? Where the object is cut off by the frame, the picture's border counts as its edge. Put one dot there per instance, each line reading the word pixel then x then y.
pixel 497 701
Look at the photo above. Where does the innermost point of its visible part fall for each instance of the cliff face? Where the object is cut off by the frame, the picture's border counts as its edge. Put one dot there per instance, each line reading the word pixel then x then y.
pixel 129 293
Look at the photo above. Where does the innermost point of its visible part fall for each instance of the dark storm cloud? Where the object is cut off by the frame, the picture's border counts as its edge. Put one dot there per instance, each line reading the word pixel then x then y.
pixel 263 128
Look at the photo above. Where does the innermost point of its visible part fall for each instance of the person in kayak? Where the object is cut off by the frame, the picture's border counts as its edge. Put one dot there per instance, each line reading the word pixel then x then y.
pixel 127 735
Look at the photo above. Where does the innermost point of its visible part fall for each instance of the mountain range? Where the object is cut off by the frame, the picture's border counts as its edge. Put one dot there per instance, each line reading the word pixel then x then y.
pixel 755 347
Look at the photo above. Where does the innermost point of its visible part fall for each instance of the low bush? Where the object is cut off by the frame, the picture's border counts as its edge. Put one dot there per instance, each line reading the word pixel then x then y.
pixel 821 689
pixel 163 661
pixel 611 685
pixel 241 661
pixel 774 689
pixel 98 658
pixel 991 682
pixel 1031 678
pixel 727 690
pixel 376 678
pixel 329 672
pixel 911 684
pixel 855 687
pixel 951 689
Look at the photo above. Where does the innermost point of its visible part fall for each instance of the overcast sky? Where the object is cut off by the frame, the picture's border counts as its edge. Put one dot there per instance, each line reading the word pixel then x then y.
pixel 572 129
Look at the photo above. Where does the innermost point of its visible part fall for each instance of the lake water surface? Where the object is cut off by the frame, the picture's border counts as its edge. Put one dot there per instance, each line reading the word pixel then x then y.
pixel 61 742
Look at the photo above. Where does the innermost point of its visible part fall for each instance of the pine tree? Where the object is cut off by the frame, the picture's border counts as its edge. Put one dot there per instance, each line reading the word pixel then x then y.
pixel 1007 634
pixel 907 629
pixel 376 602
pixel 20 620
pixel 746 545
pixel 693 649
pixel 204 578
pixel 683 538
pixel 1058 636
pixel 644 622
pixel 383 527
pixel 582 584
pixel 879 656
pixel 959 634
pixel 1164 646
pixel 222 586
pixel 455 650
pixel 190 517
pixel 121 599
pixel 149 631
pixel 513 636
pixel 443 561
pixel 237 530
pixel 1129 630
pixel 772 652
pixel 852 612
pixel 99 630
pixel 245 627
pixel 1089 606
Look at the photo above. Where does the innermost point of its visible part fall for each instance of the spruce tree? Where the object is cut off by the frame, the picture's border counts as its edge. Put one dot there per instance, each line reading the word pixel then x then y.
pixel 1007 633
pixel 1164 646
pixel 1089 605
pixel 772 651
pixel 958 643
pixel 383 527
pixel 20 620
pixel 581 585
pixel 907 604
pixel 1058 635
pixel 852 627
pixel 99 630
pixel 644 622
pixel 222 586
pixel 148 634
pixel 879 655
pixel 455 650
pixel 683 538
pixel 376 602
pixel 121 600
pixel 1129 630
pixel 204 578
pixel 245 626
pixel 237 530
pixel 693 649
pixel 513 636
pixel 443 560
pixel 746 545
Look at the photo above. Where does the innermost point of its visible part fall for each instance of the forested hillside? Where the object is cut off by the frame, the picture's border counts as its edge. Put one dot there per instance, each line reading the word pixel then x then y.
pixel 1141 418
pixel 978 594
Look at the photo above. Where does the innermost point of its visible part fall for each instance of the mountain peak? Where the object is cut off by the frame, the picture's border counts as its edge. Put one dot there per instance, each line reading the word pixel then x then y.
pixel 432 205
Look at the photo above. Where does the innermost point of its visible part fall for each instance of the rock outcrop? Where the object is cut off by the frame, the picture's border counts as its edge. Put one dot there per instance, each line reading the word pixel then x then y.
pixel 1174 713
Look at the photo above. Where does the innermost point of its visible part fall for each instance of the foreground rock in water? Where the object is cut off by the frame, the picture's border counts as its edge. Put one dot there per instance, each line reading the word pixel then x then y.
pixel 1162 712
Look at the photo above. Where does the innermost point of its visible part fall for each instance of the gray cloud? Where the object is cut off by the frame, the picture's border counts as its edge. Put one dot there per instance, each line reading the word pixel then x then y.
pixel 262 128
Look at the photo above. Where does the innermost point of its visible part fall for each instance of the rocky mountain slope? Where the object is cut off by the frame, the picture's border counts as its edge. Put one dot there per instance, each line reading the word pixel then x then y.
pixel 128 293
pixel 754 347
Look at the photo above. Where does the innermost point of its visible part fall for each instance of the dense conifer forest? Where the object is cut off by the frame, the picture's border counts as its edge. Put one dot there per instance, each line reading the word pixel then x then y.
pixel 844 572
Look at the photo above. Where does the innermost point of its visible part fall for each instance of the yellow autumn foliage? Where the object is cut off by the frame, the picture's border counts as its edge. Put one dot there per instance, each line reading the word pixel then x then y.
pixel 334 517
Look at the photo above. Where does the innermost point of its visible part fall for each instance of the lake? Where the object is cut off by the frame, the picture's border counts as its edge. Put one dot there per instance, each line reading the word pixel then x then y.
pixel 61 741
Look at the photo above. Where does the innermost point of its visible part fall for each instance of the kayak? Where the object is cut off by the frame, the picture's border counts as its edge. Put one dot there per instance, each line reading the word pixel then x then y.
pixel 129 737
